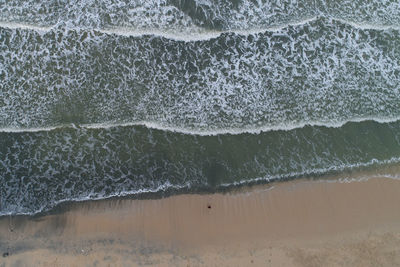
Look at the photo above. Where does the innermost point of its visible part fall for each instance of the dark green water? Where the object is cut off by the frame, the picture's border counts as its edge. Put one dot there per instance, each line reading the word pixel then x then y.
pixel 111 98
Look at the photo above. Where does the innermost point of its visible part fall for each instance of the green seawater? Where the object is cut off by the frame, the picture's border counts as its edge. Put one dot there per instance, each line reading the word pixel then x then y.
pixel 113 98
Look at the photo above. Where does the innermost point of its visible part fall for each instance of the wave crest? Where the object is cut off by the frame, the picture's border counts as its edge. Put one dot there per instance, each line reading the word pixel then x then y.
pixel 190 35
pixel 206 132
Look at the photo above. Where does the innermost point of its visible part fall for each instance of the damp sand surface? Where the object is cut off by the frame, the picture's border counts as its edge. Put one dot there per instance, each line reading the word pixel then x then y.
pixel 299 223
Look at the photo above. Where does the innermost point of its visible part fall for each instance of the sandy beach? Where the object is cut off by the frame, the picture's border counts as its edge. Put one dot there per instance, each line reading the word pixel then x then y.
pixel 200 133
pixel 299 223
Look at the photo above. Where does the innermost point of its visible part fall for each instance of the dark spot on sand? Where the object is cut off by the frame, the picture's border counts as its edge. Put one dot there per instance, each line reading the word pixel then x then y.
pixel 6 254
pixel 209 206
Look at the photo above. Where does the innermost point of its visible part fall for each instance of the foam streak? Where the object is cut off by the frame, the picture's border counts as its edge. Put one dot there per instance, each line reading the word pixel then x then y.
pixel 201 35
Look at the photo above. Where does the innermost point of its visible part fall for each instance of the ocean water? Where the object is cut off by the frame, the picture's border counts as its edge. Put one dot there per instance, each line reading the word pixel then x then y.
pixel 113 98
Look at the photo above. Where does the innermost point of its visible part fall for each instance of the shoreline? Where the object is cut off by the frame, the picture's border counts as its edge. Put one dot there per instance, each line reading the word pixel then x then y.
pixel 386 171
pixel 278 223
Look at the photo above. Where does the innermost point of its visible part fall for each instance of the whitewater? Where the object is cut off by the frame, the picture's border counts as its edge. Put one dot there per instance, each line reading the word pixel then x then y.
pixel 110 98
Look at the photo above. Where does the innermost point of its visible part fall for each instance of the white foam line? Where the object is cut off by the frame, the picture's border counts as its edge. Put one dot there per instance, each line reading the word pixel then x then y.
pixel 201 35
pixel 162 188
pixel 178 36
pixel 368 26
pixel 320 172
pixel 25 26
pixel 237 131
pixel 213 132
pixel 196 34
pixel 168 186
pixel 34 129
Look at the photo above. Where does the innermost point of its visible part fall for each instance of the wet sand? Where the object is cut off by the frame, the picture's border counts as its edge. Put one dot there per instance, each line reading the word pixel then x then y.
pixel 299 223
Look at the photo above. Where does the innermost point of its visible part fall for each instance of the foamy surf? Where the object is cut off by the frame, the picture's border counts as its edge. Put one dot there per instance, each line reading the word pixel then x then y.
pixel 206 132
pixel 102 99
pixel 191 35
pixel 170 14
pixel 308 74
pixel 77 163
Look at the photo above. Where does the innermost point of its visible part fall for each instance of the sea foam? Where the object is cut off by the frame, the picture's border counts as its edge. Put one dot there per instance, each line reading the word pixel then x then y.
pixel 322 72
